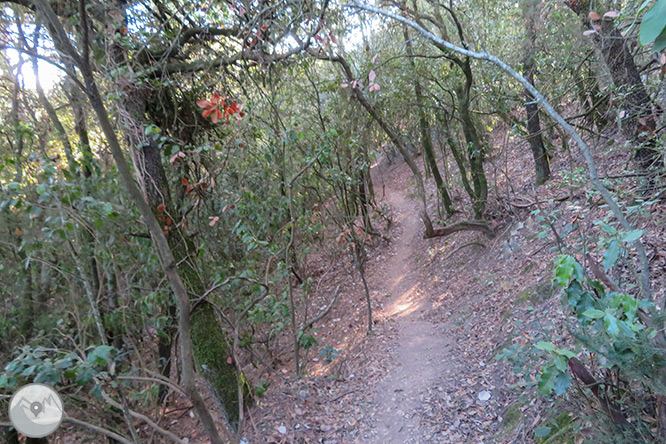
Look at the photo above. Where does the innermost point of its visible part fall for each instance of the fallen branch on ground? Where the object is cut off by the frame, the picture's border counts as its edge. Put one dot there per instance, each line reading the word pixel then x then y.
pixel 473 225
pixel 321 315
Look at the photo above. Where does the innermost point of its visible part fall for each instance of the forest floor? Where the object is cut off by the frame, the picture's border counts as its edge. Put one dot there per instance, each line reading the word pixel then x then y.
pixel 443 309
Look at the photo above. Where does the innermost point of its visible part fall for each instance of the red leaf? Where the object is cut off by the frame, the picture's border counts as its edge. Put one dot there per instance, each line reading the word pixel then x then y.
pixel 229 360
pixel 594 16
pixel 215 116
pixel 207 112
pixel 184 181
pixel 204 103
pixel 160 208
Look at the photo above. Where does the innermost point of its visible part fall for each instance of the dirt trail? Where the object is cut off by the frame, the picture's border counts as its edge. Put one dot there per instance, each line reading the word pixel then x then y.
pixel 421 354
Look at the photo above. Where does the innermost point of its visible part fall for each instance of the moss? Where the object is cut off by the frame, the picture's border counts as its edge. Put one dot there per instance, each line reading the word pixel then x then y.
pixel 512 415
pixel 536 293
pixel 211 352
pixel 511 418
pixel 562 430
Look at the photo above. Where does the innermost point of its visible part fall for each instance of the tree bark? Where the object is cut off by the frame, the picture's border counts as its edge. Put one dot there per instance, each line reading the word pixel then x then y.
pixel 424 127
pixel 209 343
pixel 541 163
pixel 638 119
pixel 169 264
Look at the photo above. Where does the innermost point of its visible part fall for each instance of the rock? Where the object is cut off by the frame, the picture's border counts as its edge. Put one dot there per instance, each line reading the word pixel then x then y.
pixel 303 394
pixel 484 396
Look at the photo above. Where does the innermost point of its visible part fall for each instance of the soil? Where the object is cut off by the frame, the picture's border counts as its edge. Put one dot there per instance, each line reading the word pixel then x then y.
pixel 443 309
pixel 422 351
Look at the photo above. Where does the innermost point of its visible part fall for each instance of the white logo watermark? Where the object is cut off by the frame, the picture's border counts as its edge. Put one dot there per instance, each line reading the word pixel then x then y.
pixel 36 410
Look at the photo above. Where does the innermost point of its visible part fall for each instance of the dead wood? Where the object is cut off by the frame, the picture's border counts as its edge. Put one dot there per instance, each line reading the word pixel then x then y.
pixel 321 315
pixel 472 225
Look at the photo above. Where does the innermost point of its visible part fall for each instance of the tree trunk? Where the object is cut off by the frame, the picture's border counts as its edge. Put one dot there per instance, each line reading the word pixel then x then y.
pixel 390 132
pixel 541 164
pixel 424 126
pixel 19 140
pixel 638 120
pixel 475 149
pixel 209 343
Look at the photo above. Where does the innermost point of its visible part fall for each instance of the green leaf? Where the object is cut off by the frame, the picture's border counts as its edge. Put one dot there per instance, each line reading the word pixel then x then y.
pixel 611 255
pixel 631 236
pixel 546 346
pixel 566 353
pixel 654 22
pixel 566 267
pixel 100 356
pixel 540 432
pixel 562 383
pixel 63 363
pixel 594 314
pixel 83 375
pixel 107 208
pixel 610 322
pixel 660 42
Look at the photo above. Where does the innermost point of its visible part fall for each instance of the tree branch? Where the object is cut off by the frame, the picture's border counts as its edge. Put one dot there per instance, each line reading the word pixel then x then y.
pixel 593 175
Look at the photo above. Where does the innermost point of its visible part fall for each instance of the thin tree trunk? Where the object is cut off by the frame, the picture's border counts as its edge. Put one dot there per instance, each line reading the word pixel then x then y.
pixel 424 127
pixel 19 141
pixel 390 132
pixel 638 119
pixel 63 44
pixel 60 131
pixel 541 163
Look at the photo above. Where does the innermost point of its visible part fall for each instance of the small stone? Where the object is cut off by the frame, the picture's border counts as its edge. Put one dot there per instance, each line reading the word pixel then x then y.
pixel 484 395
pixel 303 393
pixel 282 429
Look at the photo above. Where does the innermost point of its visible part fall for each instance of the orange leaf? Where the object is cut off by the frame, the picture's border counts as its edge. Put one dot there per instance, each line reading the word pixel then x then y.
pixel 184 181
pixel 160 208
pixel 594 16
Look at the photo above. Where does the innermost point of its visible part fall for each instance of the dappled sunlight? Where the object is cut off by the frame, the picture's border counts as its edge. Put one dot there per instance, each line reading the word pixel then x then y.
pixel 407 301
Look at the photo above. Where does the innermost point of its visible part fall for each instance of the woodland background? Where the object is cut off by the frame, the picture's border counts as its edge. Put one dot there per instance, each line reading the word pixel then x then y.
pixel 176 177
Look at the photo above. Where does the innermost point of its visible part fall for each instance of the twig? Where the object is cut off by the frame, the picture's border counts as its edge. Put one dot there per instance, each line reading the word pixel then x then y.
pixel 321 315
pixel 97 429
pixel 145 419
pixel 445 46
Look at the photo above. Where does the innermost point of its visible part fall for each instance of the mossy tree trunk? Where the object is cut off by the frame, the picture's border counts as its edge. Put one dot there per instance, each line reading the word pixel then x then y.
pixel 424 127
pixel 210 347
pixel 534 138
